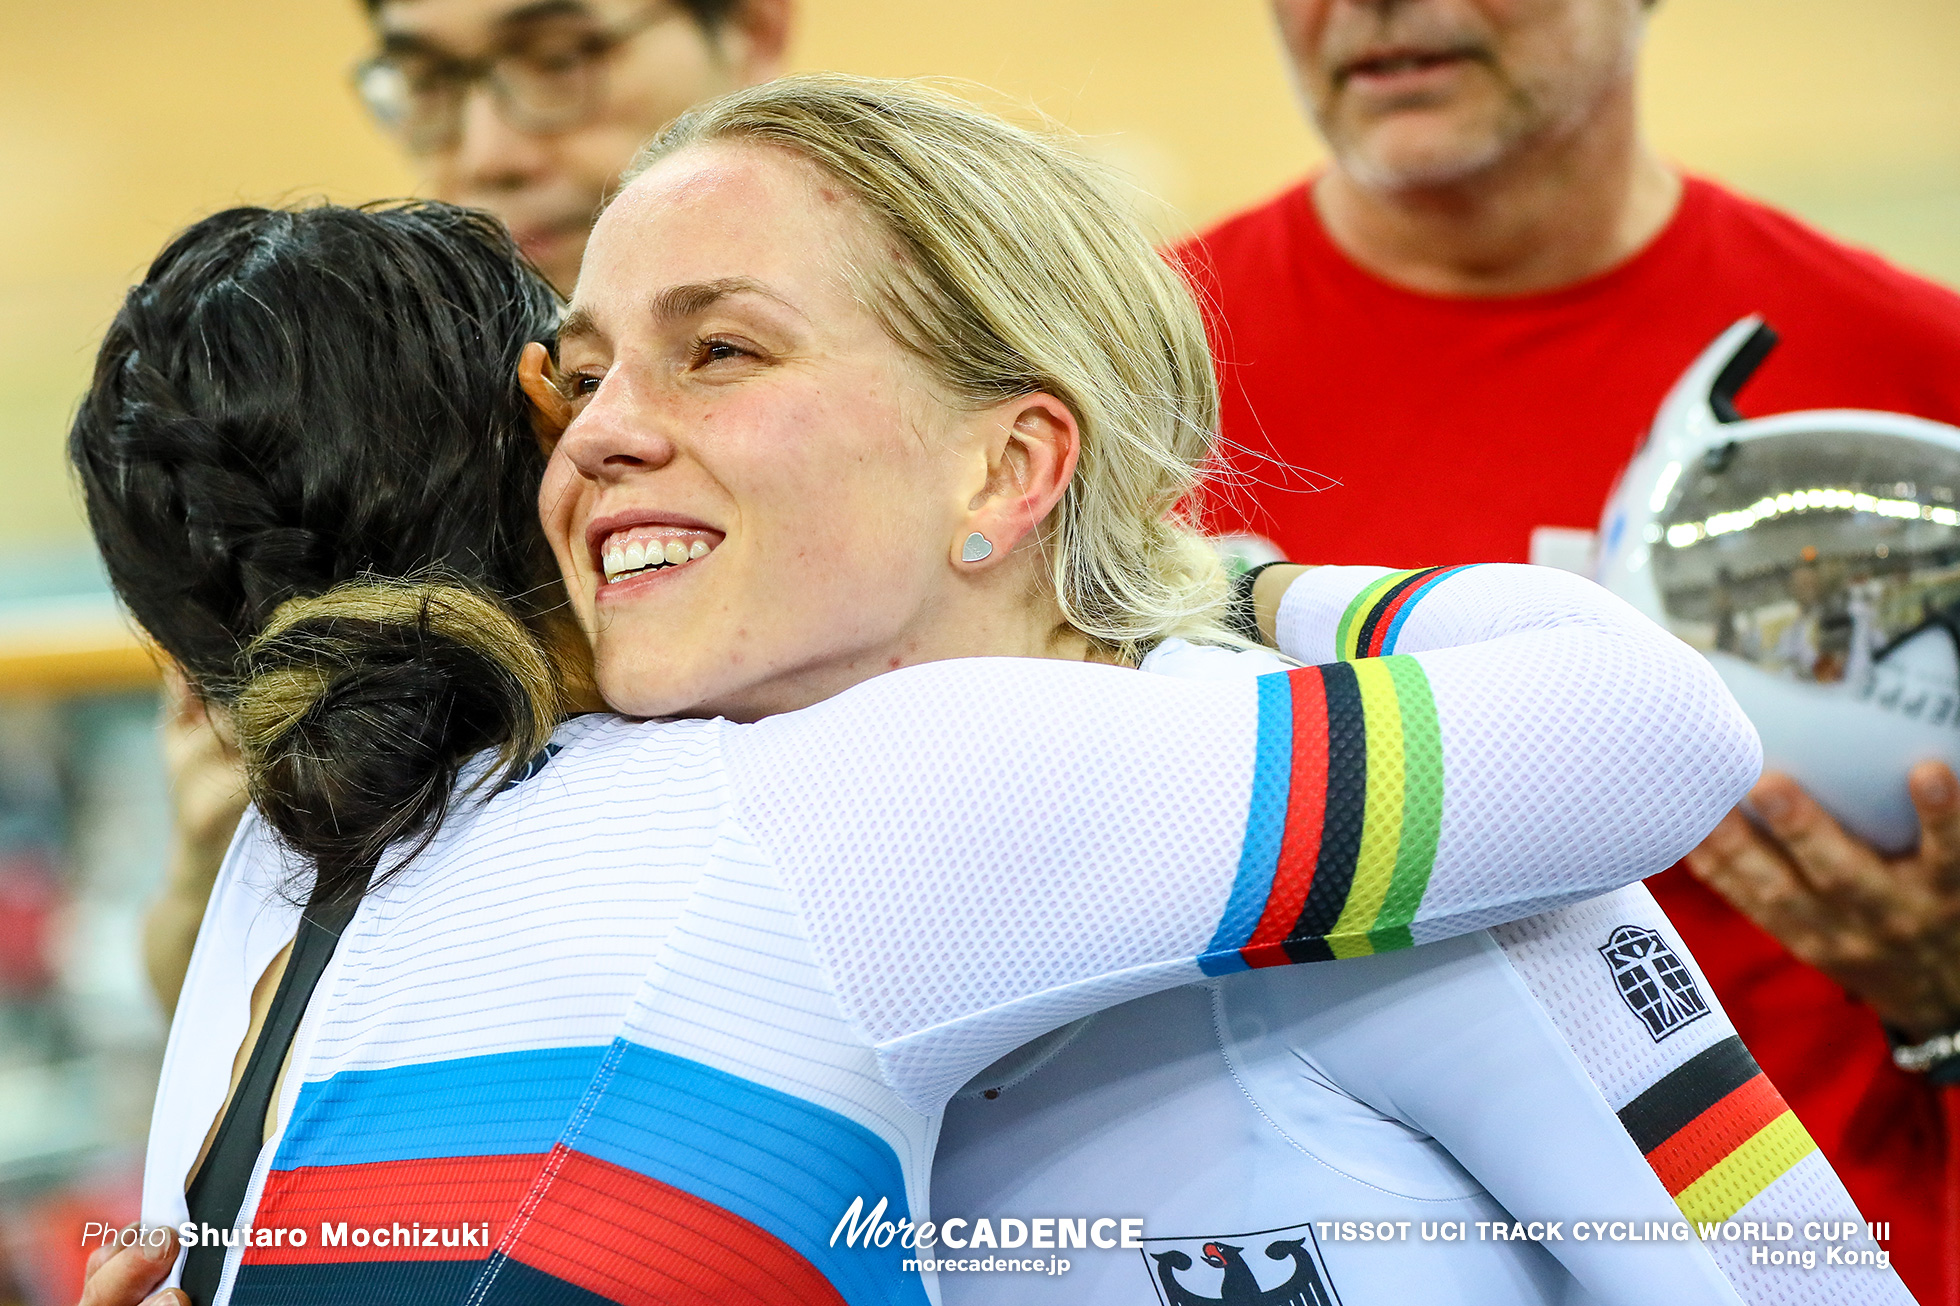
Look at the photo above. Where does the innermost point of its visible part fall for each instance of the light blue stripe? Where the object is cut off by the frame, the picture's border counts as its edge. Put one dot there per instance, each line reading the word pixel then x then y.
pixel 784 1164
pixel 1265 822
pixel 1230 962
pixel 1409 605
pixel 502 1104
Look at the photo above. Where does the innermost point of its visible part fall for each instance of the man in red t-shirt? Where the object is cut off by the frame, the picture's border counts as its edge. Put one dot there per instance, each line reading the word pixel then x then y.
pixel 1445 347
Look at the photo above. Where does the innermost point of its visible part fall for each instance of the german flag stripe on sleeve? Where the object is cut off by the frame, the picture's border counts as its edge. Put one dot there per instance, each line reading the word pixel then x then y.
pixel 1346 810
pixel 1373 620
pixel 1716 1131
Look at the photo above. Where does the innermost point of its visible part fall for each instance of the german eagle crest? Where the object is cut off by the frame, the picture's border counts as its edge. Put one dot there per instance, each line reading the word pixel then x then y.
pixel 1304 1285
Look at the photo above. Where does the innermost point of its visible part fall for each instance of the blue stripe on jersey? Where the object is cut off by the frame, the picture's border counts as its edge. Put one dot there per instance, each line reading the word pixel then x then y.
pixel 500 1104
pixel 1265 825
pixel 784 1164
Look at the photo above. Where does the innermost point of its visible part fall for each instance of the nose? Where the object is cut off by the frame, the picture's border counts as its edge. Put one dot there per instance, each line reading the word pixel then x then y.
pixel 622 431
pixel 491 157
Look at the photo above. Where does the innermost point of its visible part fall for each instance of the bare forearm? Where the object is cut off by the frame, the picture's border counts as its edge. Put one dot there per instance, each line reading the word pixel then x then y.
pixel 170 926
pixel 207 798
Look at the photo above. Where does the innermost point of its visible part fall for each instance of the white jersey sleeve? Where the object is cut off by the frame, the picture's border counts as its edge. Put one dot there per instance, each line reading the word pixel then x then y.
pixel 1578 1068
pixel 984 849
pixel 1627 997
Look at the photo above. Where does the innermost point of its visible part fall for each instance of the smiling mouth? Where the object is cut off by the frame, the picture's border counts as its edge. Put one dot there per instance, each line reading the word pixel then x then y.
pixel 1394 62
pixel 643 550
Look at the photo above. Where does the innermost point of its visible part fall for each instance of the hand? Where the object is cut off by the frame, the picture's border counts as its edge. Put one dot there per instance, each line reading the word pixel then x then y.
pixel 1887 929
pixel 207 797
pixel 120 1276
pixel 207 781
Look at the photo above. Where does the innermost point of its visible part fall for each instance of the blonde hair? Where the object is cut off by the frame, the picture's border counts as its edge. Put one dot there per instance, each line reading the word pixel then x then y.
pixel 1020 268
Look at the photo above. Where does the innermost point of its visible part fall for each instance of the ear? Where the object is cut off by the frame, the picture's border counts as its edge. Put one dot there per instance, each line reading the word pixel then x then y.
pixel 551 412
pixel 1031 451
pixel 760 47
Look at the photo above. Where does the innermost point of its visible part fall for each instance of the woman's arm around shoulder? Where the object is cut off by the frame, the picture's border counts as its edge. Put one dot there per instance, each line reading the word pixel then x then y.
pixel 1025 840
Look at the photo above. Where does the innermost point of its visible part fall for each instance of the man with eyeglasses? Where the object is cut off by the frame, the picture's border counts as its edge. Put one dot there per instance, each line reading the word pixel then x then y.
pixel 530 110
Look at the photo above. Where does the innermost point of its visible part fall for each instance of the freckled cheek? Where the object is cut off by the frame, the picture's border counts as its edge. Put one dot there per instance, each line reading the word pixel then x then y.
pixel 826 497
pixel 800 510
pixel 814 543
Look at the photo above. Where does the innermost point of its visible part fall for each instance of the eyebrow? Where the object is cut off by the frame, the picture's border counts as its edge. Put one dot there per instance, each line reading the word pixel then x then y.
pixel 576 325
pixel 676 303
pixel 398 41
pixel 699 296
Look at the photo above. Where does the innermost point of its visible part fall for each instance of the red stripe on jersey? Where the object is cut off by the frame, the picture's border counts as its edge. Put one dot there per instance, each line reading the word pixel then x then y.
pixel 1385 619
pixel 639 1242
pixel 440 1192
pixel 1306 808
pixel 1697 1146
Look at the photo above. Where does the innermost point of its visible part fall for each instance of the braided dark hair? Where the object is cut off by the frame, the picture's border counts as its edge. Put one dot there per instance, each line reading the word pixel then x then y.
pixel 317 402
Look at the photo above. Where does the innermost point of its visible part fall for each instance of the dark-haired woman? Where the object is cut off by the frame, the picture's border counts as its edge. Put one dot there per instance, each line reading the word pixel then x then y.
pixel 643 1022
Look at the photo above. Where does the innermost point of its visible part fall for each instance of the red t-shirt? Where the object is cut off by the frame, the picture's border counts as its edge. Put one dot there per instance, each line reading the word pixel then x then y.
pixel 1446 429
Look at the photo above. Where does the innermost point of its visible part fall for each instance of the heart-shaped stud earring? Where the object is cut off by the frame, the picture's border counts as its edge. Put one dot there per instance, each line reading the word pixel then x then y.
pixel 977 546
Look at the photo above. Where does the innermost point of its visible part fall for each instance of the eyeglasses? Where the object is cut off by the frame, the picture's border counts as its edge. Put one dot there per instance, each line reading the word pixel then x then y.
pixel 547 75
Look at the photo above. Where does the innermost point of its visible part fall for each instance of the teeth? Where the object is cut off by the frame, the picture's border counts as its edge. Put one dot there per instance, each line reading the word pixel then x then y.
pixel 641 555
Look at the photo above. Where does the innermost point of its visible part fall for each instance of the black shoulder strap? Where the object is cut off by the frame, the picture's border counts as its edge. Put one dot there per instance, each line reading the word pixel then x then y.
pixel 218 1191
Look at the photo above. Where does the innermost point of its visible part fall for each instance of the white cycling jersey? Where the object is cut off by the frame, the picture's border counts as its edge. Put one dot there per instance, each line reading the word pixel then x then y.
pixel 641 1027
pixel 1554 1111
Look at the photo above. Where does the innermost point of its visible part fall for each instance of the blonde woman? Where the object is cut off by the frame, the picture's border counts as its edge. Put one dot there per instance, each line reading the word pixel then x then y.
pixel 642 1012
pixel 945 328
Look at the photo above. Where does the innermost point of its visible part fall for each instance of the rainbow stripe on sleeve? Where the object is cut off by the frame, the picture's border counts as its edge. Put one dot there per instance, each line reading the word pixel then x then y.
pixel 1347 797
pixel 1716 1131
pixel 1373 621
pixel 1346 806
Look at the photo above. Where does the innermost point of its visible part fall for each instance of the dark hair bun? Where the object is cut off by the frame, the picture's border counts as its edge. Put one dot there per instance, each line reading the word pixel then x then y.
pixel 358 706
